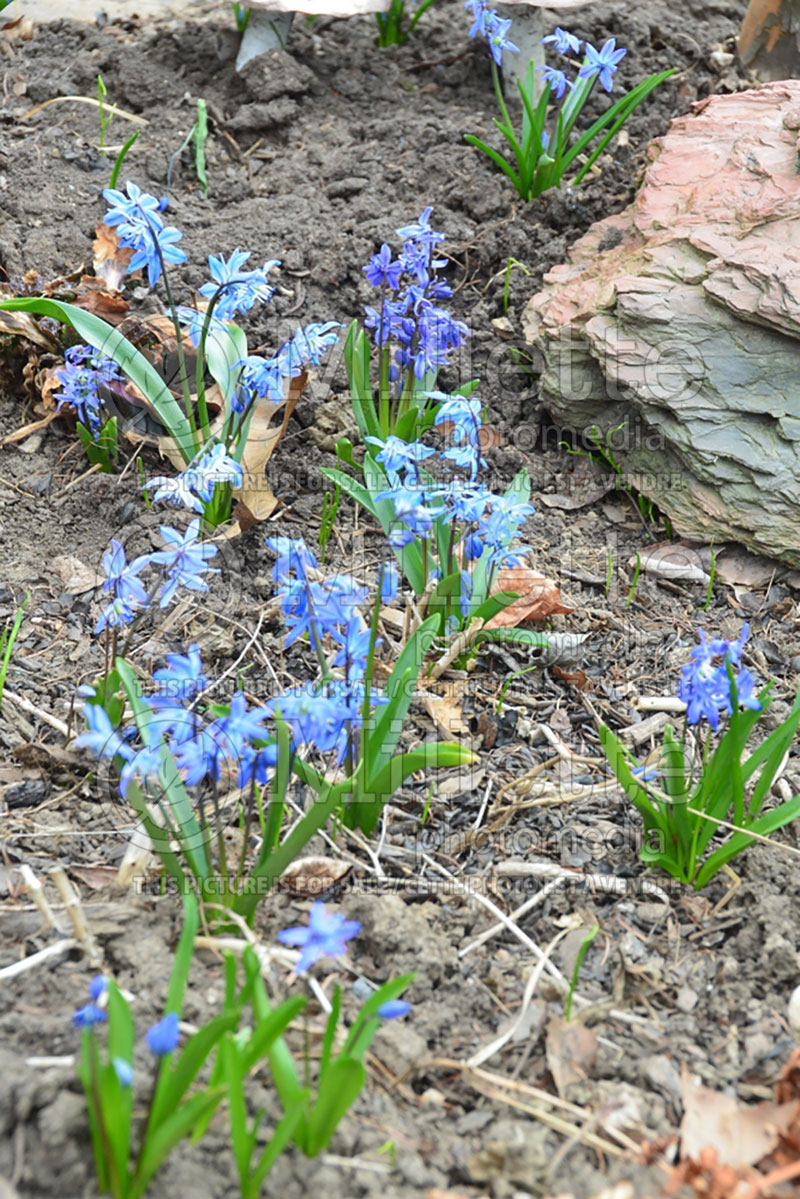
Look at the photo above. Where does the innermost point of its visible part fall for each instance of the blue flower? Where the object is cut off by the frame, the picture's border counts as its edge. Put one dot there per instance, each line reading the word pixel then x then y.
pixel 398 455
pixel 495 30
pixel 705 686
pixel 115 615
pixel 557 81
pixel 123 1071
pixel 393 1009
pixel 139 227
pixel 88 1015
pixel 478 10
pixel 162 1038
pixel 183 677
pixel 134 214
pixel 185 561
pixel 215 466
pixel 241 288
pixel 263 377
pixel 175 490
pixel 147 255
pixel 602 62
pixel 122 576
pixel 103 738
pixel 563 42
pixel 381 271
pixel 325 936
pixel 97 987
pixel 144 766
pixel 355 647
pixel 293 555
pixel 315 340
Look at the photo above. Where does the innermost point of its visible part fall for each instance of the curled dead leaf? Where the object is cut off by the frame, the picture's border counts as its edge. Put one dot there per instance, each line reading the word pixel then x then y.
pixel 538 598
pixel 313 876
pixel 740 1134
pixel 571 1052
pixel 111 260
pixel 22 324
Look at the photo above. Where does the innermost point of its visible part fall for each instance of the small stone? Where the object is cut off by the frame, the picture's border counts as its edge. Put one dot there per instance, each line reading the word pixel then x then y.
pixel 794 1012
pixel 686 999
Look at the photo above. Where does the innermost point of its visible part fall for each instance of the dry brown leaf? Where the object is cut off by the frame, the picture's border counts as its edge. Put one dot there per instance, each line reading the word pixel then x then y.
pixel 740 1134
pixel 571 1052
pixel 111 260
pixel 76 577
pixel 93 296
pixel 538 598
pixel 22 324
pixel 96 878
pixel 255 494
pixel 445 708
pixel 312 876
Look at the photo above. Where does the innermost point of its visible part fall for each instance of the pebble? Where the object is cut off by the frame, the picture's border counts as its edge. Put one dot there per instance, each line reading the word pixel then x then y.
pixel 794 1012
pixel 686 999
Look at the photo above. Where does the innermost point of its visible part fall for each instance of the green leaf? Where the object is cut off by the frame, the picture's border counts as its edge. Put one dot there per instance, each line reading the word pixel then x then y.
pixel 357 363
pixel 341 1087
pixel 768 823
pixel 226 346
pixel 382 785
pixel 109 341
pixel 179 1077
pixel 497 159
pixel 282 1134
pixel 162 1140
pixel 650 812
pixel 190 836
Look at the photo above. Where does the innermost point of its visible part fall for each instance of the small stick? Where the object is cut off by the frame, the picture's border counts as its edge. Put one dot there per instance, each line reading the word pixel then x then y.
pixel 658 703
pixel 72 903
pixel 56 950
pixel 32 710
pixel 36 892
pixel 460 644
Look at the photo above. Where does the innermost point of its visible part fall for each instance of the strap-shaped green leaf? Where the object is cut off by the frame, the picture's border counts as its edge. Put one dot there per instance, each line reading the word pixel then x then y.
pixel 110 341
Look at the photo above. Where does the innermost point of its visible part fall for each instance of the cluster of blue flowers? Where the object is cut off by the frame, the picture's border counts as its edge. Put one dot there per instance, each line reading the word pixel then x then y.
pixel 705 686
pixel 265 377
pixel 182 564
pixel 482 524
pixel 601 63
pixel 409 315
pixel 325 715
pixel 486 23
pixel 137 219
pixel 194 487
pixel 85 371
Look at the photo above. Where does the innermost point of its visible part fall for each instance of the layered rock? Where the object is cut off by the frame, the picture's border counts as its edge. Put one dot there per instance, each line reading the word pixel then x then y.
pixel 674 329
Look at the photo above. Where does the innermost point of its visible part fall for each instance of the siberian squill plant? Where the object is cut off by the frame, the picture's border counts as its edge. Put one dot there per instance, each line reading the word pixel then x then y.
pixel 211 447
pixel 696 795
pixel 176 1104
pixel 450 533
pixel 184 761
pixel 544 149
pixel 414 335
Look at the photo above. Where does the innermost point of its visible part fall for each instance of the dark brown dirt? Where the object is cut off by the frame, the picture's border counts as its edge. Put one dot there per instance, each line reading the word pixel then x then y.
pixel 316 159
